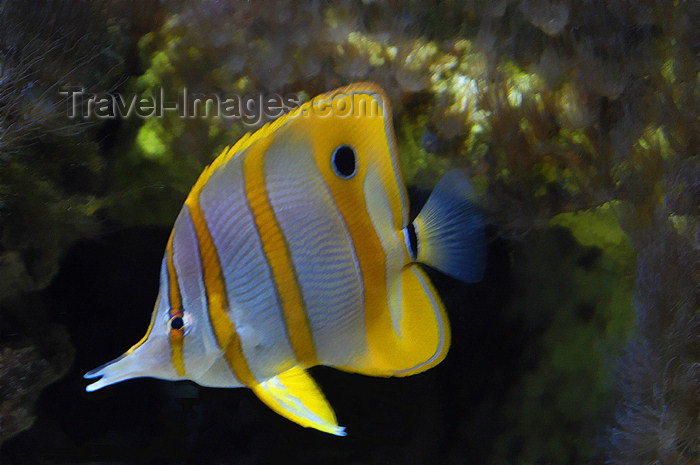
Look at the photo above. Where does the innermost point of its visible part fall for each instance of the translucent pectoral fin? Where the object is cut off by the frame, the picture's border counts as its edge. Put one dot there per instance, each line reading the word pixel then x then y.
pixel 296 396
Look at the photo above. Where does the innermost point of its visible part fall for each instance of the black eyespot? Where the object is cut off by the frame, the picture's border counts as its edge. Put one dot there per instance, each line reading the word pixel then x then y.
pixel 344 162
pixel 412 240
pixel 177 323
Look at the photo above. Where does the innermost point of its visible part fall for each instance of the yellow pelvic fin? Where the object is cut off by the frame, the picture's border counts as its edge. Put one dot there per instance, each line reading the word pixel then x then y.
pixel 296 396
pixel 411 340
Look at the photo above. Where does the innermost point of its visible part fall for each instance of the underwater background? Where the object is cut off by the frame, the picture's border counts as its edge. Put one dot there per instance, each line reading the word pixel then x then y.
pixel 577 122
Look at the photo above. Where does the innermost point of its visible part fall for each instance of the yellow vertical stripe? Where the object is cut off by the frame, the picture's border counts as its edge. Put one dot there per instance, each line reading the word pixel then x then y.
pixel 176 337
pixel 368 249
pixel 148 331
pixel 368 135
pixel 217 300
pixel 278 256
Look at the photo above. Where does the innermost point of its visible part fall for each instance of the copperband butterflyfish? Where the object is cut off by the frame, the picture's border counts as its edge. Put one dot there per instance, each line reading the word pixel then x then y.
pixel 294 249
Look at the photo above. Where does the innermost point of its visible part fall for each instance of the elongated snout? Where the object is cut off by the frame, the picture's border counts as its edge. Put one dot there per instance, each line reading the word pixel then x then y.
pixel 148 359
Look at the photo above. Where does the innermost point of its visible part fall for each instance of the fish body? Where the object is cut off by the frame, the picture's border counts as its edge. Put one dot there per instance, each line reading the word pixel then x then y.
pixel 294 249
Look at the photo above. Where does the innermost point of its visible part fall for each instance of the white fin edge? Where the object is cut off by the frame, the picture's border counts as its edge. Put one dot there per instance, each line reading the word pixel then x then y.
pixel 296 396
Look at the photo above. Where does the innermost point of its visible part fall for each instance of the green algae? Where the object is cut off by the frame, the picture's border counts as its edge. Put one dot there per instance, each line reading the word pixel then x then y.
pixel 566 126
pixel 580 306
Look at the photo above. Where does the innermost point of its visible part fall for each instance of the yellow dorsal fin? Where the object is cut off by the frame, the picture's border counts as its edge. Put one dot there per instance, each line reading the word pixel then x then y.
pixel 296 396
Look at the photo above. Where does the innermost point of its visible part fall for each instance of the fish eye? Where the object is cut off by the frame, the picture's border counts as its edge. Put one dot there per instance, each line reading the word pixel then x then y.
pixel 177 323
pixel 344 162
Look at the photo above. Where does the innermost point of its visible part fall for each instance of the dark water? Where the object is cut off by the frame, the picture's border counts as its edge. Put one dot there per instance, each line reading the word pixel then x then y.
pixel 574 120
pixel 104 295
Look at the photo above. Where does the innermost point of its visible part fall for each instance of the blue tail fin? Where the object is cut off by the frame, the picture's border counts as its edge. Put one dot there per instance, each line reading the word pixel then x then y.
pixel 450 230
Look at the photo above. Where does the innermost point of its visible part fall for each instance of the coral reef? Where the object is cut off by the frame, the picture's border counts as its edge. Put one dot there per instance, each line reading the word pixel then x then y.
pixel 577 121
pixel 48 162
pixel 555 108
pixel 50 170
pixel 34 355
pixel 659 376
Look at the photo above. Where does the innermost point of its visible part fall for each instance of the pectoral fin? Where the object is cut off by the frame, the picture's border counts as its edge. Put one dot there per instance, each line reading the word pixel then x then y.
pixel 296 396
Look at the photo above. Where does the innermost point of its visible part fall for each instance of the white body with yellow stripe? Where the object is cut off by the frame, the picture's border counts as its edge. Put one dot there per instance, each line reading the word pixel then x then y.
pixel 291 251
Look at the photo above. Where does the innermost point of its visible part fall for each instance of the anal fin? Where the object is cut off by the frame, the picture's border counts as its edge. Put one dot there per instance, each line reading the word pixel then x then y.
pixel 296 396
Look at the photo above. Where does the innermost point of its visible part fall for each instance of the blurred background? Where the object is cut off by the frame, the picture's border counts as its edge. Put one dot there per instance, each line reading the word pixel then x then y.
pixel 577 122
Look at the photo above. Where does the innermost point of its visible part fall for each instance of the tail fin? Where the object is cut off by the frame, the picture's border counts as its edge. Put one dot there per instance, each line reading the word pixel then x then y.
pixel 450 230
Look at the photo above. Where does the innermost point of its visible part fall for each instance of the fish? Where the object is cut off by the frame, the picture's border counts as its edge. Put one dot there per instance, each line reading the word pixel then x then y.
pixel 294 249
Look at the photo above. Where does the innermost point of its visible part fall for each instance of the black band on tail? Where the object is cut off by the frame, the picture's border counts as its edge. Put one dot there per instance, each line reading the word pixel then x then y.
pixel 412 240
